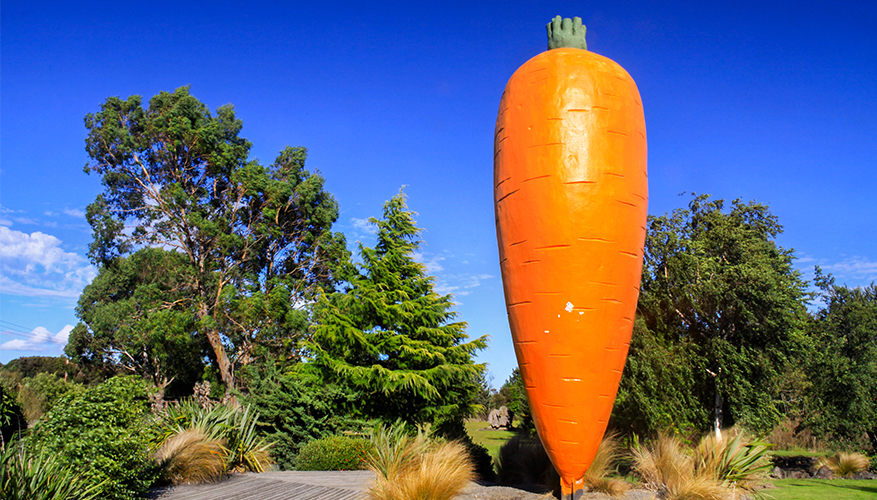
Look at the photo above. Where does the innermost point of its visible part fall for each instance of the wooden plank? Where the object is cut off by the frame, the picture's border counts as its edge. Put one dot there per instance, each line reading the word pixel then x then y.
pixel 346 485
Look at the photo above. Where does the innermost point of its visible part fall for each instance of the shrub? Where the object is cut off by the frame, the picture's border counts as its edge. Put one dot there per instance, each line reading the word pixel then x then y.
pixel 409 467
pixel 294 410
pixel 333 453
pixel 40 393
pixel 192 457
pixel 40 476
pixel 452 429
pixel 105 435
pixel 523 461
pixel 845 464
pixel 12 419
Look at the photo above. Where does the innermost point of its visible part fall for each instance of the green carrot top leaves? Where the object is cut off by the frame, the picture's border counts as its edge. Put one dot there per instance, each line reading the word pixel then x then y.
pixel 566 32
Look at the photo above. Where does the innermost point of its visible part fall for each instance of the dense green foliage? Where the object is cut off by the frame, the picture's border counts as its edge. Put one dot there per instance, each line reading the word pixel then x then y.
pixel 253 241
pixel 104 435
pixel 842 392
pixel 721 316
pixel 39 393
pixel 339 452
pixel 135 314
pixel 296 408
pixel 12 420
pixel 392 337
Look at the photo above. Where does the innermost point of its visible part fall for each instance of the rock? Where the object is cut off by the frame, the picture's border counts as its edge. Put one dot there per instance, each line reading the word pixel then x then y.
pixel 777 473
pixel 499 418
pixel 824 473
pixel 864 475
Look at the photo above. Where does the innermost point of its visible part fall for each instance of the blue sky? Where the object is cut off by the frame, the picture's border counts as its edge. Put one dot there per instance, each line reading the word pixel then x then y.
pixel 767 101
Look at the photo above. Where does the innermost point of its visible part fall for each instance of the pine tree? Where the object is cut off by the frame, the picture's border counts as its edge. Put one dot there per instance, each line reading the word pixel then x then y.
pixel 391 336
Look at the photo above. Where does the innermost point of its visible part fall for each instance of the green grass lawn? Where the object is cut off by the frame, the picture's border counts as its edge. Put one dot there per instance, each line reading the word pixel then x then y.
pixel 799 453
pixel 823 489
pixel 481 433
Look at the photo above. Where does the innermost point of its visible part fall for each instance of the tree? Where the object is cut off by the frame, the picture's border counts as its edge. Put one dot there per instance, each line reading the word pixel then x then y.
pixel 136 314
pixel 256 240
pixel 842 396
pixel 721 313
pixel 391 336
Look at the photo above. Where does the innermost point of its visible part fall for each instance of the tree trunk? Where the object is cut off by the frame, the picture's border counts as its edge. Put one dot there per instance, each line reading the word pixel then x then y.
pixel 215 339
pixel 225 368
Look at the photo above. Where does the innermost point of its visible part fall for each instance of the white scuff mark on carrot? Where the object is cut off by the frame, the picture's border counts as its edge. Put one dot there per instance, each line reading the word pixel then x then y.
pixel 568 307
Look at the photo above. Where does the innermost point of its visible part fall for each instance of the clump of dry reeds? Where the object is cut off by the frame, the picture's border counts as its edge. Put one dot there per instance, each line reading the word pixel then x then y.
pixel 713 470
pixel 192 457
pixel 845 464
pixel 415 468
pixel 596 478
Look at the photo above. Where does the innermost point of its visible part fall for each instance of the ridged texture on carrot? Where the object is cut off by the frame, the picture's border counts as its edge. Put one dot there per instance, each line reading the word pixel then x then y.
pixel 571 198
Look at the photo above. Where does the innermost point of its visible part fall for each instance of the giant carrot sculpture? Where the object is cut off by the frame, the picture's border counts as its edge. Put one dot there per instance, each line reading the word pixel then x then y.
pixel 570 193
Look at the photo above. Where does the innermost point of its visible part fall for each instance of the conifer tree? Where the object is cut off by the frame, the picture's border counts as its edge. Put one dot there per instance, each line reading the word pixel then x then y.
pixel 391 336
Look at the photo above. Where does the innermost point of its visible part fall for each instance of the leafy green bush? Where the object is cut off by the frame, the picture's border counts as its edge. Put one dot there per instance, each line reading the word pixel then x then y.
pixel 12 419
pixel 338 452
pixel 39 394
pixel 104 434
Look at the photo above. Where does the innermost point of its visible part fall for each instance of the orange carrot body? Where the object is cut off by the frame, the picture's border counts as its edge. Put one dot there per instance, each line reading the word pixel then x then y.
pixel 571 196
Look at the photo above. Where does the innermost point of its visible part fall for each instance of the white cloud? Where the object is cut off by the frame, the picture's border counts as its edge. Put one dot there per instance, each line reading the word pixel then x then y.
pixel 856 268
pixel 36 265
pixel 74 212
pixel 40 339
pixel 363 226
pixel 432 264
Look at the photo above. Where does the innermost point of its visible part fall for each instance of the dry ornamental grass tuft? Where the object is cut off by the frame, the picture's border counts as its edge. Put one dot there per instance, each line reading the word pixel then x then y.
pixel 414 468
pixel 192 457
pixel 845 464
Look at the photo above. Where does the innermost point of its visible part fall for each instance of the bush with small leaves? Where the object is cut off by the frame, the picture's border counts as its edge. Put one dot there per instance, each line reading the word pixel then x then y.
pixel 339 452
pixel 105 435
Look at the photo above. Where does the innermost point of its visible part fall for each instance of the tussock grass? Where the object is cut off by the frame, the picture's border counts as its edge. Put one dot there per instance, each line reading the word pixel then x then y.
pixel 234 426
pixel 192 457
pixel 414 468
pixel 845 464
pixel 714 470
pixel 608 455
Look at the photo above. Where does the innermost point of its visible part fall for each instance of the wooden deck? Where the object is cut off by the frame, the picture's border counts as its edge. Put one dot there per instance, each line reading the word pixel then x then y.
pixel 286 485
